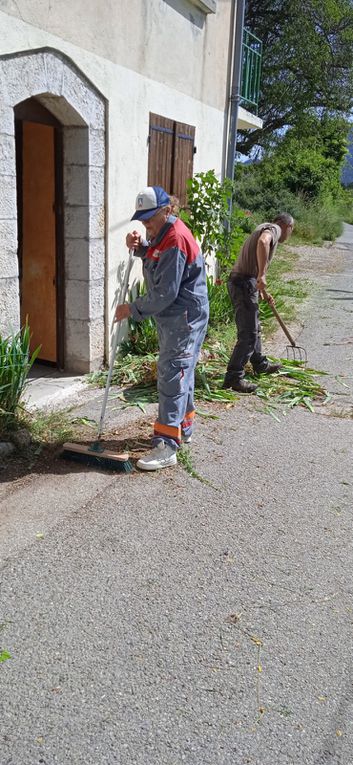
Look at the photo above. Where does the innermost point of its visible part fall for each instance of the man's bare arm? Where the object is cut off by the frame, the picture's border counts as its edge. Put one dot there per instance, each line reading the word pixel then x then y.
pixel 262 256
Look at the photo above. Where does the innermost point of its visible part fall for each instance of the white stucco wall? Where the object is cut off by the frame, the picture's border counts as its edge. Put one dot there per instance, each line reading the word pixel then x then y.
pixel 170 41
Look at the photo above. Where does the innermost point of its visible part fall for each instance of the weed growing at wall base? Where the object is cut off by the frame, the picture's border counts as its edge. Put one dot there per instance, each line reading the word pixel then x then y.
pixel 16 360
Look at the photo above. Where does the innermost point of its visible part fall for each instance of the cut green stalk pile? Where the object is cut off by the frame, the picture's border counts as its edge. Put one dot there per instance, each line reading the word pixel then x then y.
pixel 292 386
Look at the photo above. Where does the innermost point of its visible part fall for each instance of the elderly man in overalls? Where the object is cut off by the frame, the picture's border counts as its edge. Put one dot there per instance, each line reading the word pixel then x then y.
pixel 175 276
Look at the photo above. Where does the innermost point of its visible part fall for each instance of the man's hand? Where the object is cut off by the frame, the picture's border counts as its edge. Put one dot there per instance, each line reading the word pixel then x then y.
pixel 133 240
pixel 269 299
pixel 261 283
pixel 123 311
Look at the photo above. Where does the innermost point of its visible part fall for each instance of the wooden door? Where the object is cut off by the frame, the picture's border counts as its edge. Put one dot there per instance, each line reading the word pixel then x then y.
pixel 38 284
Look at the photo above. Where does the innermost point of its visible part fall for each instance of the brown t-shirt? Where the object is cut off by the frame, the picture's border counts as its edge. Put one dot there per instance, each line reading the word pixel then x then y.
pixel 246 263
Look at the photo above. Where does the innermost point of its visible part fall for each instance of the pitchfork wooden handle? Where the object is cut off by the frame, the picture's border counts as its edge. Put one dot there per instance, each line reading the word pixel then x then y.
pixel 280 321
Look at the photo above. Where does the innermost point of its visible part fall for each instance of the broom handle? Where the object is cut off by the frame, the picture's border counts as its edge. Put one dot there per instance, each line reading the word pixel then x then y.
pixel 280 321
pixel 115 344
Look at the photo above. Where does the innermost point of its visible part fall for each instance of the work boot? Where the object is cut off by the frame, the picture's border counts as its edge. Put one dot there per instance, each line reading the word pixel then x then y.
pixel 227 382
pixel 161 456
pixel 269 369
pixel 243 386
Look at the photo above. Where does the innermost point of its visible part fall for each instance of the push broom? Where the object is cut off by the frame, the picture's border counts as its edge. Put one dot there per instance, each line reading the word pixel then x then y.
pixel 95 454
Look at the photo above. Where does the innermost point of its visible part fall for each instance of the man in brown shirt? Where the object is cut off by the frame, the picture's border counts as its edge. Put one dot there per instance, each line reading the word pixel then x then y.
pixel 246 281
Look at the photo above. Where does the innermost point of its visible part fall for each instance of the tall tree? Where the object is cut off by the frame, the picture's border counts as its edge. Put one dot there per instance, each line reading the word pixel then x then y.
pixel 307 63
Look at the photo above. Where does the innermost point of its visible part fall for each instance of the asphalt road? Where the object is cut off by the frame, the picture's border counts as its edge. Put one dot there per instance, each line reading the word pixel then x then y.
pixel 157 620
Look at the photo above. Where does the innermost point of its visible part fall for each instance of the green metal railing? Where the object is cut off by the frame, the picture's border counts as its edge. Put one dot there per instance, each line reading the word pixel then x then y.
pixel 251 71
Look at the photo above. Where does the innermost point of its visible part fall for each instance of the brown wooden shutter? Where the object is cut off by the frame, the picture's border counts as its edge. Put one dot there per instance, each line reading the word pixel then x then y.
pixel 184 141
pixel 171 155
pixel 160 157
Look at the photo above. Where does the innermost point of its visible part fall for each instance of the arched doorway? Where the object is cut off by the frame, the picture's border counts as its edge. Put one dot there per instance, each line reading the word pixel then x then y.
pixel 39 164
pixel 52 207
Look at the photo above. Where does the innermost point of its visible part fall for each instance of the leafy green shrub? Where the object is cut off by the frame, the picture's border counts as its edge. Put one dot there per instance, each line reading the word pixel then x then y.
pixel 207 213
pixel 347 205
pixel 220 229
pixel 15 363
pixel 315 221
pixel 319 221
pixel 142 337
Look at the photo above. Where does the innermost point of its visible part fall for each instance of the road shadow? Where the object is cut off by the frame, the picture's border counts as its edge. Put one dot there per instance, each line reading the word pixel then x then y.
pixel 50 460
pixel 345 296
pixel 333 289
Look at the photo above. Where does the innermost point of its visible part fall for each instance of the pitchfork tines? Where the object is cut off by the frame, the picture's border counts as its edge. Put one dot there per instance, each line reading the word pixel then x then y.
pixel 294 352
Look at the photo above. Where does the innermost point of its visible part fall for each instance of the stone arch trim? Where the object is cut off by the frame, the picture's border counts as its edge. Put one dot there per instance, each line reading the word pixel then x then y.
pixel 55 81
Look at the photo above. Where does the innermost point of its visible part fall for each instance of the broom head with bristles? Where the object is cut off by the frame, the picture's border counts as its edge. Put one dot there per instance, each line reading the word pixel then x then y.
pixel 94 457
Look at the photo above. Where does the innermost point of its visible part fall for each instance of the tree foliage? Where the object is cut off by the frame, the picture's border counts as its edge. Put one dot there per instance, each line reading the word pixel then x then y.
pixel 307 63
pixel 300 174
pixel 308 161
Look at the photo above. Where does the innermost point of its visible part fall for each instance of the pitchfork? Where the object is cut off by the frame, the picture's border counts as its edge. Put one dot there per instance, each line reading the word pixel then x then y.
pixel 294 352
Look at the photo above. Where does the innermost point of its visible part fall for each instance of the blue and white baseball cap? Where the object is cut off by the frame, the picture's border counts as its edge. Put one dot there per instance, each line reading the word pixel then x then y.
pixel 149 201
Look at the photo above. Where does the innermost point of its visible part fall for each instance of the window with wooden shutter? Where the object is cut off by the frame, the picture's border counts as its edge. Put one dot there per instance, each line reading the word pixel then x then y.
pixel 171 155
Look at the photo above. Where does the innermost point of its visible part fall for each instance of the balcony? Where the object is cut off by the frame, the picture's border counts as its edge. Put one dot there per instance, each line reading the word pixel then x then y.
pixel 251 72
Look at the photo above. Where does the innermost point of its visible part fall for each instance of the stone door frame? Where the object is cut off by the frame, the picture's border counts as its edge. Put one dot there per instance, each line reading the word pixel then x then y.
pixel 56 83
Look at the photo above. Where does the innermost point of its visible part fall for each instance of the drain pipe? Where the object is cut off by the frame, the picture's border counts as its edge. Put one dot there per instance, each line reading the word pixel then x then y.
pixel 235 96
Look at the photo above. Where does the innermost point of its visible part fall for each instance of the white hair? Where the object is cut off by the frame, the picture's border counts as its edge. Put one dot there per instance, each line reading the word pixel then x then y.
pixel 284 219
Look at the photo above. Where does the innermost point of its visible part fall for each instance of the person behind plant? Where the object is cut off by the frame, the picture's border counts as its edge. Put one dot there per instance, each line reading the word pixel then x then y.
pixel 246 281
pixel 175 276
